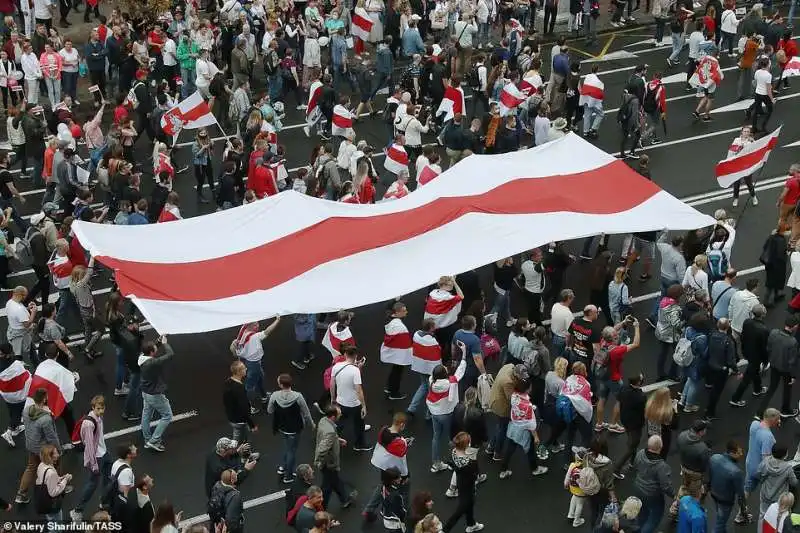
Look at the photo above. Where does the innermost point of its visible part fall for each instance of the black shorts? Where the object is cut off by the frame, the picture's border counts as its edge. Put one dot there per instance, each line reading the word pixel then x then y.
pixel 709 93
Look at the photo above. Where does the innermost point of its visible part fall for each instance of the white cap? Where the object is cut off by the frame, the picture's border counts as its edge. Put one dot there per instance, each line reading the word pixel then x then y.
pixel 37 218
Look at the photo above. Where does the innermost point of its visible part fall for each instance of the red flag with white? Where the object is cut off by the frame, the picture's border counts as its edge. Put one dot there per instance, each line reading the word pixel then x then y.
pixel 443 307
pixel 426 354
pixel 396 159
pixel 452 103
pixel 396 347
pixel 312 109
pixel 392 454
pixel 57 381
pixel 396 190
pixel 510 98
pixel 170 213
pixel 322 255
pixel 15 381
pixel 342 121
pixel 334 337
pixel 592 91
pixel 531 85
pixel 746 161
pixel 361 25
pixel 189 114
pixel 773 520
pixel 792 67
pixel 427 174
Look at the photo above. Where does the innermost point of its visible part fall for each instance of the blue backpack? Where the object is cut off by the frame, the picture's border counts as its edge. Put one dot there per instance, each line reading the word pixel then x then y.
pixel 717 264
pixel 564 409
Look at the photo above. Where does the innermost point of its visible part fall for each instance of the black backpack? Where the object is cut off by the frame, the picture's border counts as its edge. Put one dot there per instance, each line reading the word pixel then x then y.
pixel 271 63
pixel 217 505
pixel 473 78
pixel 42 501
pixel 113 499
pixel 650 103
pixel 624 113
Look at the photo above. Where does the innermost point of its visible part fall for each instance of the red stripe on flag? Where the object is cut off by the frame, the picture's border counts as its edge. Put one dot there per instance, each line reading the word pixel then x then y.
pixel 15 384
pixel 398 155
pixel 55 400
pixel 361 22
pixel 440 307
pixel 743 162
pixel 401 341
pixel 613 188
pixel 592 91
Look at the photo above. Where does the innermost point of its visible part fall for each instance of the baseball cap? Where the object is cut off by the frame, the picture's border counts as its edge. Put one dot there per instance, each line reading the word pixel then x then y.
pixel 37 219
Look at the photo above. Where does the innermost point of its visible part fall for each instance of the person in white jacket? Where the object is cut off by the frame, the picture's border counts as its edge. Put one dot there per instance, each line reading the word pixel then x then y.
pixel 33 73
pixel 311 57
pixel 741 308
pixel 729 28
pixel 441 400
pixel 794 278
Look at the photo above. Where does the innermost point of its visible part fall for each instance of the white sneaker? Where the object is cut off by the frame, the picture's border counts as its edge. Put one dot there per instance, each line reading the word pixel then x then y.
pixel 367 427
pixel 300 107
pixel 735 202
pixel 439 466
pixel 540 470
pixel 17 430
pixel 755 200
pixel 578 522
pixel 307 131
pixel 505 474
pixel 477 527
pixel 76 516
pixel 451 492
pixel 122 392
pixel 9 438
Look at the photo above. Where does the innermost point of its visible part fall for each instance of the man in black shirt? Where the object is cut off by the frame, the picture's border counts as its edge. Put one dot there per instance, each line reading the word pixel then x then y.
pixel 584 337
pixel 8 192
pixel 226 196
pixel 237 405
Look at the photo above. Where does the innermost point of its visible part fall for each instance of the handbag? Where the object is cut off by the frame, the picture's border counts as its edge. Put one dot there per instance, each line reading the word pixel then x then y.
pixel 83 70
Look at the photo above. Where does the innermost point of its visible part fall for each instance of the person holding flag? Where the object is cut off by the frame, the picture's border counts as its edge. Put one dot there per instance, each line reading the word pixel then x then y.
pixel 360 27
pixel 342 123
pixel 736 147
pixel 706 79
pixel 745 157
pixel 592 95
pixel 15 382
pixel 510 99
pixel 313 111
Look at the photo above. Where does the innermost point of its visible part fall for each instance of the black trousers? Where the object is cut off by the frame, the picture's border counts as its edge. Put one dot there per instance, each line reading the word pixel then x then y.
pixel 716 378
pixel 394 380
pixel 20 151
pixel 550 12
pixel 353 413
pixel 511 447
pixel 776 377
pixel 203 174
pixel 98 77
pixel 738 183
pixel 332 482
pixel 766 101
pixel 42 286
pixel 752 374
pixel 634 438
pixel 466 508
pixel 479 96
pixel 534 300
pixel 636 135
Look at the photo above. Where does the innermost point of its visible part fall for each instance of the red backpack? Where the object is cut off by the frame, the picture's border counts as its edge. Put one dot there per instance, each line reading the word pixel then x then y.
pixel 76 429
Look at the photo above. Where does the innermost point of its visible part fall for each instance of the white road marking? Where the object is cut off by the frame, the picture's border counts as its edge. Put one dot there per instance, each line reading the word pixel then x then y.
pixel 137 428
pixel 255 502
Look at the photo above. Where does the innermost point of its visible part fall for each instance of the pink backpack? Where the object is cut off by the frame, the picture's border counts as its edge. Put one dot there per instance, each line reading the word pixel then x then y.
pixel 490 346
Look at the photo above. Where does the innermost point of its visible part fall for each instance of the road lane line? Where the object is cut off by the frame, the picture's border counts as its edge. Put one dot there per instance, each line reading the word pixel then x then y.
pixel 255 502
pixel 137 428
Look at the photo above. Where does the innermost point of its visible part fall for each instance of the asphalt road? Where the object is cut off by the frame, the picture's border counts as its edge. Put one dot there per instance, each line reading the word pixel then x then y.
pixel 683 165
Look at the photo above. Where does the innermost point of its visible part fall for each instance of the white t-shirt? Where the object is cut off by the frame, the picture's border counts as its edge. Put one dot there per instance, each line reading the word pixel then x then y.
pixel 347 376
pixel 41 9
pixel 17 315
pixel 70 63
pixel 126 478
pixel 560 319
pixel 206 70
pixel 253 349
pixel 169 53
pixel 762 78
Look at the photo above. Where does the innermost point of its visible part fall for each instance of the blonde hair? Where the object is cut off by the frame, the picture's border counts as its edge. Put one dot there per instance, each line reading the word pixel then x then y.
pixel 428 524
pixel 631 507
pixel 785 503
pixel 98 400
pixel 659 407
pixel 46 454
pixel 619 274
pixel 77 273
pixel 560 367
pixel 579 369
pixel 700 261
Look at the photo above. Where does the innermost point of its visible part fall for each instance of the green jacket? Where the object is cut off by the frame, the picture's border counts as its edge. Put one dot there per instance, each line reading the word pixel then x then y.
pixel 184 58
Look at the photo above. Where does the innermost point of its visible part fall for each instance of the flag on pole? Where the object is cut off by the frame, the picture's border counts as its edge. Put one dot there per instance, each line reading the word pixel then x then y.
pixel 57 381
pixel 190 114
pixel 746 161
pixel 452 103
pixel 792 68
pixel 510 98
pixel 15 381
pixel 312 109
pixel 342 121
pixel 361 24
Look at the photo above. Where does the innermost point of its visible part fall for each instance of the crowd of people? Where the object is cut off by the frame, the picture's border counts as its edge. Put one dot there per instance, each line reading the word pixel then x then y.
pixel 554 376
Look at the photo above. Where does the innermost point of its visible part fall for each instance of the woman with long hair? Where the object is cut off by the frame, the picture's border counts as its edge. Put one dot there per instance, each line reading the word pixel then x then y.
pixel 429 524
pixel 553 383
pixel 421 506
pixel 669 327
pixel 619 296
pixel 522 431
pixel 441 402
pixel 115 320
pixel 80 285
pixel 50 487
pixel 166 519
pixel 468 476
pixel 696 278
pixel 659 414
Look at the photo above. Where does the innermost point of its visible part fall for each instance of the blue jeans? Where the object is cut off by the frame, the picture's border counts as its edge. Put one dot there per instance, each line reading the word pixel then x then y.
pixel 275 87
pixel 66 301
pixel 58 516
pixel 69 83
pixel 483 33
pixel 690 392
pixel 155 403
pixel 502 305
pixel 592 117
pixel 499 438
pixel 36 171
pixel 677 46
pixel 441 426
pixel 103 474
pixel 559 345
pixel 187 76
pixel 723 515
pixel 134 394
pixel 651 514
pixel 122 370
pixel 791 13
pixel 419 396
pixel 254 381
pixel 290 441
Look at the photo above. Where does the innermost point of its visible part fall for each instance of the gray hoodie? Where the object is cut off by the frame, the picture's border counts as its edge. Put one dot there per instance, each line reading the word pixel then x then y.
pixel 40 428
pixel 777 476
pixel 285 398
pixel 652 475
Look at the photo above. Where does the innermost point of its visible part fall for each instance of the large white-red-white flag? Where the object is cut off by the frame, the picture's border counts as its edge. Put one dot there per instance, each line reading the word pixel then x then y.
pixel 342 121
pixel 396 347
pixel 427 174
pixel 361 24
pixel 452 103
pixel 792 67
pixel 15 381
pixel 592 91
pixel 57 381
pixel 531 84
pixel 510 99
pixel 189 114
pixel 323 256
pixel 746 161
pixel 396 159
